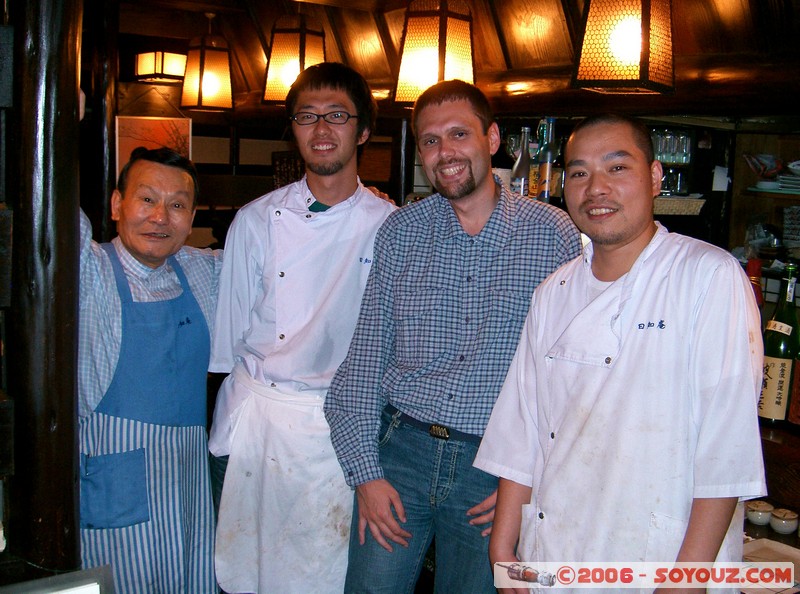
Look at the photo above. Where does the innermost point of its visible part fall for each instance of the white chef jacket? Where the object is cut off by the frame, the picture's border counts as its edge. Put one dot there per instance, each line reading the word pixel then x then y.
pixel 620 409
pixel 290 291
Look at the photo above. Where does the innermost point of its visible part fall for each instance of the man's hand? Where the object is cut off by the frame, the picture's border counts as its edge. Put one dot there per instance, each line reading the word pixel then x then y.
pixel 375 502
pixel 510 498
pixel 485 507
pixel 381 195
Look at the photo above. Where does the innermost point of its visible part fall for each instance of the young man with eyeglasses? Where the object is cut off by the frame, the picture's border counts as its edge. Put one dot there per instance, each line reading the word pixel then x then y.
pixel 295 267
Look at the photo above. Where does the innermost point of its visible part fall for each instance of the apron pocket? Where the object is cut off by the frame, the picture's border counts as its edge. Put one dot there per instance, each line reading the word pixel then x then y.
pixel 114 490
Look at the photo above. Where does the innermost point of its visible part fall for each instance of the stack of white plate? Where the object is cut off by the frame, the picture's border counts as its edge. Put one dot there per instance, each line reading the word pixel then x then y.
pixel 789 182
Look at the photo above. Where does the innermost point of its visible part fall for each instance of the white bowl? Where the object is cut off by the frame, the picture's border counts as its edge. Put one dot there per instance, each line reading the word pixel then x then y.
pixel 794 167
pixel 759 512
pixel 783 521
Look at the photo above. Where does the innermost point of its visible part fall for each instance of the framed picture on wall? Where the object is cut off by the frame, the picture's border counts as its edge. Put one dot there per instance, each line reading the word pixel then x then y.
pixel 152 133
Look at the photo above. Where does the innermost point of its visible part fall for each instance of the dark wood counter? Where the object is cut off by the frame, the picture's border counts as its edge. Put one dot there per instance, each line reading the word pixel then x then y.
pixel 781 448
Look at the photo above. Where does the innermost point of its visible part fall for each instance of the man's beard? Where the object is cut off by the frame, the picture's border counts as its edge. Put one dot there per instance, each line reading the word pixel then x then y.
pixel 466 188
pixel 329 169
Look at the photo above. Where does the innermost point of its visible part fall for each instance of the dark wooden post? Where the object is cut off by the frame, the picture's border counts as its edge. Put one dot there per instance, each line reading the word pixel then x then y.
pixel 98 135
pixel 43 320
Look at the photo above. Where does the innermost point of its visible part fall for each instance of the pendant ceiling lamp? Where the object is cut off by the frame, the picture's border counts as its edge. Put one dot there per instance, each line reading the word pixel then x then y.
pixel 626 47
pixel 160 67
pixel 207 83
pixel 297 43
pixel 437 45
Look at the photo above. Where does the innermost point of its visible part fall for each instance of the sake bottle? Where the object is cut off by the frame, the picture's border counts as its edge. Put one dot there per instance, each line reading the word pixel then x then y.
pixel 548 151
pixel 521 170
pixel 781 346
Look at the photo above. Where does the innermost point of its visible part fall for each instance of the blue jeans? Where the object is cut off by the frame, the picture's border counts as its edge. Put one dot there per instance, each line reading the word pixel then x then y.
pixel 218 466
pixel 437 485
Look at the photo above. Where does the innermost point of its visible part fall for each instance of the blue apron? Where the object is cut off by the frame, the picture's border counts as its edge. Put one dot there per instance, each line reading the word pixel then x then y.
pixel 145 492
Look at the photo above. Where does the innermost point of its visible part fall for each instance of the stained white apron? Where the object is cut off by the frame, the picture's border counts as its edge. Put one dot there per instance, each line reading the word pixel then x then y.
pixel 284 519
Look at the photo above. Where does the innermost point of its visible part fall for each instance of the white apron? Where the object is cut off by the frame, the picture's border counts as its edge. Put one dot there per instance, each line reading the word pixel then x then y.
pixel 284 519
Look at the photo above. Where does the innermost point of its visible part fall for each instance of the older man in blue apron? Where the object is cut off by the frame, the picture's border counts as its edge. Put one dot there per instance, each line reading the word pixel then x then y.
pixel 146 304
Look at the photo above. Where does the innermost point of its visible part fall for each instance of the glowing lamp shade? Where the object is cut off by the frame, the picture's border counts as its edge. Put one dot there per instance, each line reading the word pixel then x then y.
pixel 437 45
pixel 160 67
pixel 207 83
pixel 297 43
pixel 627 47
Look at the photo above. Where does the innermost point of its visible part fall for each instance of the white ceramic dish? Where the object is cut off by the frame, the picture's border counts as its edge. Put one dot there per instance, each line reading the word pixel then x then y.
pixel 783 521
pixel 759 512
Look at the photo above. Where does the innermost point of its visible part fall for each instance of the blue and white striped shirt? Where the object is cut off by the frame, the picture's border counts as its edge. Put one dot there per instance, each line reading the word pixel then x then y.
pixel 100 317
pixel 440 319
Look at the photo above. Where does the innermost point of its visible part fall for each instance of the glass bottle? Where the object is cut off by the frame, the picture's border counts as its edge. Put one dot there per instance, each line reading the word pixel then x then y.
pixel 547 156
pixel 781 346
pixel 503 160
pixel 557 177
pixel 520 172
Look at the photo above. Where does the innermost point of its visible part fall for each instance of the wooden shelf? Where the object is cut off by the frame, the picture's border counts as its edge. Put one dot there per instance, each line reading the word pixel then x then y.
pixel 777 191
pixel 752 206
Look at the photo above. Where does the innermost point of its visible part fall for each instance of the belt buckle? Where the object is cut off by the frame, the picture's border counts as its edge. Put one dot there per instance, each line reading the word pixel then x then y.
pixel 439 432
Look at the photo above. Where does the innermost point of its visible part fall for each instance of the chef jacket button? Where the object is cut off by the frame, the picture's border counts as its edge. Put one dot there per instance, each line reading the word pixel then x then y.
pixel 608 360
pixel 281 274
pixel 281 336
pixel 273 385
pixel 469 279
pixel 552 435
pixel 466 319
pixel 277 213
pixel 461 358
pixel 308 216
pixel 541 515
pixel 308 200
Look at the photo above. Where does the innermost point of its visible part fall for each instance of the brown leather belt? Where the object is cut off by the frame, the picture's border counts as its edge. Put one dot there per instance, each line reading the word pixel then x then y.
pixel 434 430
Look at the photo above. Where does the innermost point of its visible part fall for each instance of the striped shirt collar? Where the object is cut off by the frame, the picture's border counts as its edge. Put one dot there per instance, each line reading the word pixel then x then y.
pixel 133 267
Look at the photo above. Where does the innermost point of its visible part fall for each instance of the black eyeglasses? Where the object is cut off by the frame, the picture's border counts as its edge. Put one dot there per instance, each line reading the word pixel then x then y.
pixel 306 118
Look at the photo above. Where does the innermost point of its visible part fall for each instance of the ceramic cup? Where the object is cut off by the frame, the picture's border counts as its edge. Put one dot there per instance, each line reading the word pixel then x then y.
pixel 759 512
pixel 783 521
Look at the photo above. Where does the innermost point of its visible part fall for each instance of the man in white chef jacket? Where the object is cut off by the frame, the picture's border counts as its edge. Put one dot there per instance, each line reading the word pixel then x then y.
pixel 295 266
pixel 627 429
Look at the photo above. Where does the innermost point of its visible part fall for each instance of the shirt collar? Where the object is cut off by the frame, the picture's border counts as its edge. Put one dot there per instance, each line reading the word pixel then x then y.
pixel 655 241
pixel 132 266
pixel 308 197
pixel 658 238
pixel 497 229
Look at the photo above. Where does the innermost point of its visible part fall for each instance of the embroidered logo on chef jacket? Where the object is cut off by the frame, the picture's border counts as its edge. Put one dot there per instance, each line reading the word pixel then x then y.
pixel 365 260
pixel 660 325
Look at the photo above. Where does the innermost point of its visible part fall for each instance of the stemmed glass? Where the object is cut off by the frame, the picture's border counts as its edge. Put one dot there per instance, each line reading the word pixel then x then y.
pixel 512 145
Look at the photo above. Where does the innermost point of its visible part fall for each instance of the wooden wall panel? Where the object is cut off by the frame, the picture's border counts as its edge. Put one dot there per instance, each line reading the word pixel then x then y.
pixel 536 33
pixel 362 44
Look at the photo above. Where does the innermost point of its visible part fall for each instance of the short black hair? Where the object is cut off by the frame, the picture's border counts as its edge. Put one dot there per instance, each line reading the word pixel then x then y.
pixel 454 90
pixel 641 134
pixel 333 75
pixel 164 156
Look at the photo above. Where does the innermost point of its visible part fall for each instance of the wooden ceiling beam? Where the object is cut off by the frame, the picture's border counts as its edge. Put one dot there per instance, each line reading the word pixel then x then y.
pixel 366 5
pixel 215 6
pixel 501 38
